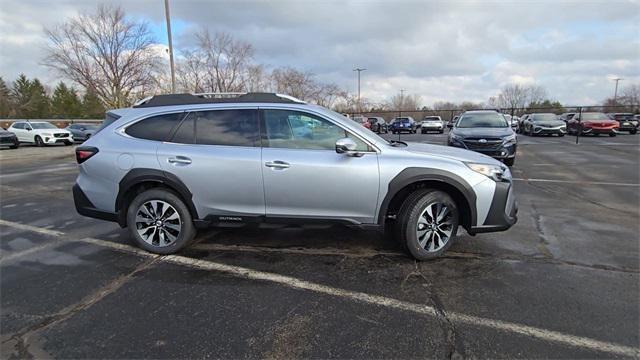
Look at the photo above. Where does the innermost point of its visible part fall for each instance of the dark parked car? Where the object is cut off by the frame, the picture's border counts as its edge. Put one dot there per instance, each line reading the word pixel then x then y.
pixel 566 116
pixel 404 123
pixel 82 132
pixel 593 123
pixel 626 121
pixel 521 121
pixel 7 138
pixel 544 124
pixel 378 125
pixel 487 132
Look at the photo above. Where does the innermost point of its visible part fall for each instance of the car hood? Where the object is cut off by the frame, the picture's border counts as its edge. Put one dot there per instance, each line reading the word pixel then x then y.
pixel 479 132
pixel 6 133
pixel 451 153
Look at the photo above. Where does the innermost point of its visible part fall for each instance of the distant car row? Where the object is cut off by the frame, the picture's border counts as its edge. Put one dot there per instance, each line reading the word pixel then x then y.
pixel 587 123
pixel 43 133
pixel 401 124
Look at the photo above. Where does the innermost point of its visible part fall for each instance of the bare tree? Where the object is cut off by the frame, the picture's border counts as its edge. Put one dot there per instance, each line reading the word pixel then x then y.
pixel 518 96
pixel 191 72
pixel 405 102
pixel 295 83
pixel 630 95
pixel 106 52
pixel 257 79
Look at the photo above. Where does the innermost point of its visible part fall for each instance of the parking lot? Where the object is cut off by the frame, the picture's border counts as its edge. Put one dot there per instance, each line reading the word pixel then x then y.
pixel 562 283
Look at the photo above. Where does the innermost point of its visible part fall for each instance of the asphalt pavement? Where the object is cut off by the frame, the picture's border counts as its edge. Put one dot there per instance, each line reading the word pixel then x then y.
pixel 562 283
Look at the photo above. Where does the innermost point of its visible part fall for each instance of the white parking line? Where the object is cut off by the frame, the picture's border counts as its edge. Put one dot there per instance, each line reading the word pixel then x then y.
pixel 57 168
pixel 509 327
pixel 577 182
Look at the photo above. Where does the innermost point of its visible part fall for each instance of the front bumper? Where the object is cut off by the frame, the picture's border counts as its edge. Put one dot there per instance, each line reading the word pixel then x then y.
pixel 627 126
pixel 599 130
pixel 503 212
pixel 432 127
pixel 56 140
pixel 499 152
pixel 559 130
pixel 8 140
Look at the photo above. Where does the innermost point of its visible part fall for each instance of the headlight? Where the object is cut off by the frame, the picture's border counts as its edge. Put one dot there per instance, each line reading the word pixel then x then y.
pixel 495 172
pixel 511 139
pixel 453 136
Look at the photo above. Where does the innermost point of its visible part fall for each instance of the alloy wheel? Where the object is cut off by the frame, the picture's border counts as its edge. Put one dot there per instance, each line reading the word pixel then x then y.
pixel 158 223
pixel 434 226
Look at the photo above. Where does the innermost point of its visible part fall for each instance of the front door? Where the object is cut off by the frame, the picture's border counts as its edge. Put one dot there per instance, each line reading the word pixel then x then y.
pixel 303 175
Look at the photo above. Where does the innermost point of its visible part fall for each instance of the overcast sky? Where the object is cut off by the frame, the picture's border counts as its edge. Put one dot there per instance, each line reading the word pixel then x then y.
pixel 442 51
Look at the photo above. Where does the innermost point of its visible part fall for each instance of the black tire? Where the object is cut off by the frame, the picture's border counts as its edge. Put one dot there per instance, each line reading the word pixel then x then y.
pixel 68 143
pixel 633 132
pixel 38 141
pixel 187 231
pixel 612 134
pixel 15 145
pixel 510 162
pixel 407 222
pixel 560 135
pixel 442 131
pixel 423 132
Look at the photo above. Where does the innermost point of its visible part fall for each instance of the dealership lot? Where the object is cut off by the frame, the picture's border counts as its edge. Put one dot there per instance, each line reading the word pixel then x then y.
pixel 562 283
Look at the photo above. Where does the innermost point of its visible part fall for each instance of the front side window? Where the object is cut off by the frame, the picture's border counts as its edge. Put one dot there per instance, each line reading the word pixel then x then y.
pixel 18 126
pixel 227 127
pixel 297 130
pixel 156 128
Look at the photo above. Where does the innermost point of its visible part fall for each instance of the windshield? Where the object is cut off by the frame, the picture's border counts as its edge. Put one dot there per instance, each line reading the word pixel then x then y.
pixel 43 125
pixel 623 116
pixel 89 126
pixel 594 116
pixel 544 117
pixel 431 118
pixel 482 120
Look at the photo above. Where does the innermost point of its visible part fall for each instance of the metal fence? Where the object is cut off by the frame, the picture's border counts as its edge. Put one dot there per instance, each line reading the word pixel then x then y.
pixel 61 123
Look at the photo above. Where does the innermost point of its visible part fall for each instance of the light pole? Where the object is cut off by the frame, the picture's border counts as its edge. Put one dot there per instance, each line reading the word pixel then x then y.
pixel 359 70
pixel 173 69
pixel 615 94
pixel 400 110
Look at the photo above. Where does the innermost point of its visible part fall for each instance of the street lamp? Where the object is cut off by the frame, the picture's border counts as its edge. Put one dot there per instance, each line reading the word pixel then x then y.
pixel 173 70
pixel 359 70
pixel 615 94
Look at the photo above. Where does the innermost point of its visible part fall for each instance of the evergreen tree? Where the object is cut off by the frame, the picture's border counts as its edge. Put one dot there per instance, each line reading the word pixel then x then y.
pixel 92 107
pixel 65 102
pixel 5 100
pixel 31 100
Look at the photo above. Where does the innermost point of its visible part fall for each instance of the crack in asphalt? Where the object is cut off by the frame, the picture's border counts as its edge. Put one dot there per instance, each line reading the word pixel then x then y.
pixel 455 349
pixel 542 235
pixel 18 344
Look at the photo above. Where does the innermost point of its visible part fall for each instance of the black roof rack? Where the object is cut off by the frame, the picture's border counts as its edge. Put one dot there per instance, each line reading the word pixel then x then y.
pixel 215 98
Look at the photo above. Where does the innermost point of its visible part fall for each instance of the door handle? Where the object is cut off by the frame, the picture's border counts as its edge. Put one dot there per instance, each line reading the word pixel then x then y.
pixel 179 160
pixel 277 164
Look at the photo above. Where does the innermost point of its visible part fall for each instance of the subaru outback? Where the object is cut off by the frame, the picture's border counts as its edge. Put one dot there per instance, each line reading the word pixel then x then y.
pixel 173 164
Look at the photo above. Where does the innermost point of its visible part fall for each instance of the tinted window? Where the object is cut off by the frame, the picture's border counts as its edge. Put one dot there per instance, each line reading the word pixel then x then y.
pixel 186 133
pixel 227 127
pixel 297 130
pixel 543 117
pixel 156 128
pixel 18 126
pixel 43 125
pixel 108 120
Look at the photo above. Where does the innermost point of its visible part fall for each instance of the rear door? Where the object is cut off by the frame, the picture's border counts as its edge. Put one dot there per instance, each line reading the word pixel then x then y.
pixel 19 130
pixel 216 154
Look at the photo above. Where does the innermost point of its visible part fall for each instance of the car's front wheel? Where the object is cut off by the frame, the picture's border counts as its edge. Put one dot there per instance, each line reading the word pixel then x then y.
pixel 160 222
pixel 38 141
pixel 427 223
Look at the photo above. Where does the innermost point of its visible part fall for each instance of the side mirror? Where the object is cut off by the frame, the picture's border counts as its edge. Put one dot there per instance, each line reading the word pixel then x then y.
pixel 28 128
pixel 348 147
pixel 450 125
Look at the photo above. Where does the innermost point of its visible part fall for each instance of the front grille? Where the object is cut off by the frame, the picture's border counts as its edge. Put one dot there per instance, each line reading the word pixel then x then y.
pixel 61 135
pixel 477 144
pixel 7 139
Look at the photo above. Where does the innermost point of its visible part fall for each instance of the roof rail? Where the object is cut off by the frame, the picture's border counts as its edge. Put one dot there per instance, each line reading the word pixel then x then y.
pixel 209 98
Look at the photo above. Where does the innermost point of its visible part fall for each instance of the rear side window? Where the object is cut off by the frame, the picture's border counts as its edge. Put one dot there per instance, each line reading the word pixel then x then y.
pixel 156 128
pixel 18 126
pixel 227 127
pixel 108 120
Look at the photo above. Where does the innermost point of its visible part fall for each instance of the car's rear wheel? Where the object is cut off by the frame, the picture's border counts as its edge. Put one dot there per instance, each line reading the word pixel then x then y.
pixel 612 134
pixel 15 145
pixel 633 132
pixel 427 223
pixel 38 141
pixel 160 222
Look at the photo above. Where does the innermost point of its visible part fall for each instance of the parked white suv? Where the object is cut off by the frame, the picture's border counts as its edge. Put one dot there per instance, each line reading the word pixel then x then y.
pixel 40 133
pixel 175 163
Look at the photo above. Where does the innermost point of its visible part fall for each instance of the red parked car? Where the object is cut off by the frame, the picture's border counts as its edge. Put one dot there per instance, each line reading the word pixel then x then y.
pixel 592 123
pixel 362 121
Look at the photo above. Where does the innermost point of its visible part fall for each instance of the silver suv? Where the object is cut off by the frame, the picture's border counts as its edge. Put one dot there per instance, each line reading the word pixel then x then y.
pixel 176 163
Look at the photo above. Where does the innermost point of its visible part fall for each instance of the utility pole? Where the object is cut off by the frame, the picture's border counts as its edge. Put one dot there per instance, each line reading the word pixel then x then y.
pixel 173 69
pixel 359 70
pixel 400 110
pixel 615 94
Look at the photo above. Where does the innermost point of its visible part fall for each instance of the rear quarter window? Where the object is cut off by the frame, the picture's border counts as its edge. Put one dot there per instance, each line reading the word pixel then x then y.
pixel 156 128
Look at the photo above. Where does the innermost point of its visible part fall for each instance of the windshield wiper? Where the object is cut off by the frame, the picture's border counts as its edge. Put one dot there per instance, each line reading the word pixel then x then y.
pixel 396 143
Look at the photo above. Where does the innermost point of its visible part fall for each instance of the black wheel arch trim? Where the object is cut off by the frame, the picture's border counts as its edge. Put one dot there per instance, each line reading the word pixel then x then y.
pixel 413 175
pixel 142 175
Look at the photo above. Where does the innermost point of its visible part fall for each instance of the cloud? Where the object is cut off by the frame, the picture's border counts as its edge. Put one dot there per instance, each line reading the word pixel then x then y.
pixel 442 51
